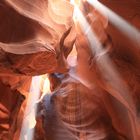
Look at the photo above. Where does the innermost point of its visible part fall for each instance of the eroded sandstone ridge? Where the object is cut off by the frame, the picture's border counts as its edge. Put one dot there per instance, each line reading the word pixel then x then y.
pixel 88 101
pixel 35 38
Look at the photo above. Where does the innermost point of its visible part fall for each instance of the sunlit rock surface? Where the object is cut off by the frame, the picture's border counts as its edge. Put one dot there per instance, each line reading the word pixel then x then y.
pixel 86 102
pixel 126 60
pixel 35 38
pixel 75 112
pixel 30 44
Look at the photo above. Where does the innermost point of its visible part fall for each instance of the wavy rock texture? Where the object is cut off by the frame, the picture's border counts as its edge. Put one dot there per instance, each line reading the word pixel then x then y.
pixel 75 112
pixel 10 105
pixel 87 102
pixel 36 34
pixel 98 70
pixel 35 38
pixel 117 94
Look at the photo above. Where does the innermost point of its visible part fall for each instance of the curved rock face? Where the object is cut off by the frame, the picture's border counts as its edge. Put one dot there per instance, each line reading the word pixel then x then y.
pixel 10 104
pixel 75 112
pixel 126 46
pixel 39 38
pixel 112 71
pixel 91 100
pixel 35 38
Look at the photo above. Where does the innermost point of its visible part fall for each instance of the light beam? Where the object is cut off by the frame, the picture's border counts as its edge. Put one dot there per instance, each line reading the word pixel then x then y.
pixel 126 28
pixel 27 130
pixel 106 63
pixel 115 85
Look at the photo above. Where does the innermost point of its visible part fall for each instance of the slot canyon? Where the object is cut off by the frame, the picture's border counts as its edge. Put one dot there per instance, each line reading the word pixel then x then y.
pixel 69 69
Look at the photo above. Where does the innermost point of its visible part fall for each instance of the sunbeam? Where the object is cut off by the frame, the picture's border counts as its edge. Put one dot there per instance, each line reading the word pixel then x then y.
pixel 126 28
pixel 27 131
pixel 45 89
pixel 115 85
pixel 39 87
pixel 106 63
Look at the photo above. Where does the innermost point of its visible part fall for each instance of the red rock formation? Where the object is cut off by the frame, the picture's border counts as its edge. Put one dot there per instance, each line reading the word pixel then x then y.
pixel 33 41
pixel 39 38
pixel 10 108
pixel 100 78
pixel 36 37
pixel 74 111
